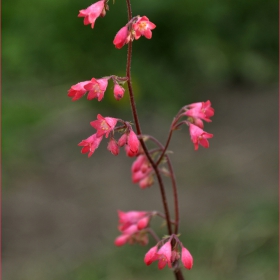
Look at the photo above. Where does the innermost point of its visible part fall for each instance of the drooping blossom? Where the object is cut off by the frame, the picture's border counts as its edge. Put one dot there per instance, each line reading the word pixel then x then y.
pixel 92 12
pixel 104 125
pixel 77 91
pixel 132 235
pixel 130 142
pixel 90 144
pixel 143 27
pixel 186 258
pixel 118 92
pixel 151 255
pixel 169 255
pixel 142 172
pixel 96 88
pixel 124 36
pixel 138 218
pixel 200 110
pixel 133 142
pixel 113 147
pixel 199 136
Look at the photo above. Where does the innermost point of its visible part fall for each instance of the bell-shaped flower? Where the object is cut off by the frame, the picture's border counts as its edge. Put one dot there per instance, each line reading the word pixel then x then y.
pixel 199 136
pixel 151 255
pixel 118 92
pixel 77 91
pixel 164 255
pixel 186 258
pixel 143 27
pixel 113 147
pixel 90 144
pixel 201 110
pixel 123 37
pixel 96 88
pixel 104 125
pixel 92 12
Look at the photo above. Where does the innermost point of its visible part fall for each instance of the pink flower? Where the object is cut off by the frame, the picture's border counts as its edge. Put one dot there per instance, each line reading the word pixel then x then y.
pixel 77 91
pixel 122 37
pixel 164 255
pixel 201 110
pixel 187 258
pixel 113 147
pixel 92 12
pixel 90 144
pixel 123 140
pixel 126 219
pixel 198 136
pixel 133 142
pixel 104 125
pixel 118 92
pixel 96 88
pixel 151 255
pixel 132 235
pixel 143 27
pixel 142 172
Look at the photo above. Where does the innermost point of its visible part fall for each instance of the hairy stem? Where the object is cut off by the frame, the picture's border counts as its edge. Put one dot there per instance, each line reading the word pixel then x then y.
pixel 138 128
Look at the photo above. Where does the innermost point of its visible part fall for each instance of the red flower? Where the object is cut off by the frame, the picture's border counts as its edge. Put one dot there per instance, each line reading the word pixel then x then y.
pixel 126 219
pixel 122 37
pixel 104 125
pixel 143 27
pixel 151 255
pixel 201 110
pixel 92 12
pixel 164 255
pixel 113 147
pixel 198 136
pixel 96 88
pixel 186 258
pixel 77 91
pixel 90 144
pixel 118 92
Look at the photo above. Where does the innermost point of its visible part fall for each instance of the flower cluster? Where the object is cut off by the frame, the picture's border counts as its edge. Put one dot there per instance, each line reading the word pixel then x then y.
pixel 197 113
pixel 96 88
pixel 106 126
pixel 132 226
pixel 142 172
pixel 137 27
pixel 94 11
pixel 169 254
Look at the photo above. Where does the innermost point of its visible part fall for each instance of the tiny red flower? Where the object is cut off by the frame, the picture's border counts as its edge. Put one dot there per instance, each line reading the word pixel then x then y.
pixel 77 91
pixel 126 219
pixel 198 136
pixel 143 27
pixel 92 12
pixel 164 255
pixel 113 147
pixel 151 255
pixel 201 110
pixel 122 37
pixel 104 125
pixel 186 258
pixel 96 88
pixel 90 144
pixel 133 142
pixel 118 92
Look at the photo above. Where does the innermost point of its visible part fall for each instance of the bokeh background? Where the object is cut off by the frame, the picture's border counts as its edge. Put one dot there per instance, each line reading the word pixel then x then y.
pixel 59 208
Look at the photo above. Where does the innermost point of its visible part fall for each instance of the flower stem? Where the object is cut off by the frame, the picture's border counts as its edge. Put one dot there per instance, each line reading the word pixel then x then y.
pixel 138 128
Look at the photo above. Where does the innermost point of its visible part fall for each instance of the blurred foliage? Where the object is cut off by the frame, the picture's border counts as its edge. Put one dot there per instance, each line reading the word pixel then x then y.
pixel 196 45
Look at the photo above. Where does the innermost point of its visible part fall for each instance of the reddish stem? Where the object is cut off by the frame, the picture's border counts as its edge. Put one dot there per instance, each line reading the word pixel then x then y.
pixel 138 129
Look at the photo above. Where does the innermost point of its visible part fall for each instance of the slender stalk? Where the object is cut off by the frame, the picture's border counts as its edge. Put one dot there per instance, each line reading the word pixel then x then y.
pixel 177 273
pixel 172 174
pixel 138 128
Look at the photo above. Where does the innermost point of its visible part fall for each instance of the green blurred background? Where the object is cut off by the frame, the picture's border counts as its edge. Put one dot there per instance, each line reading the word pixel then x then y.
pixel 59 207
